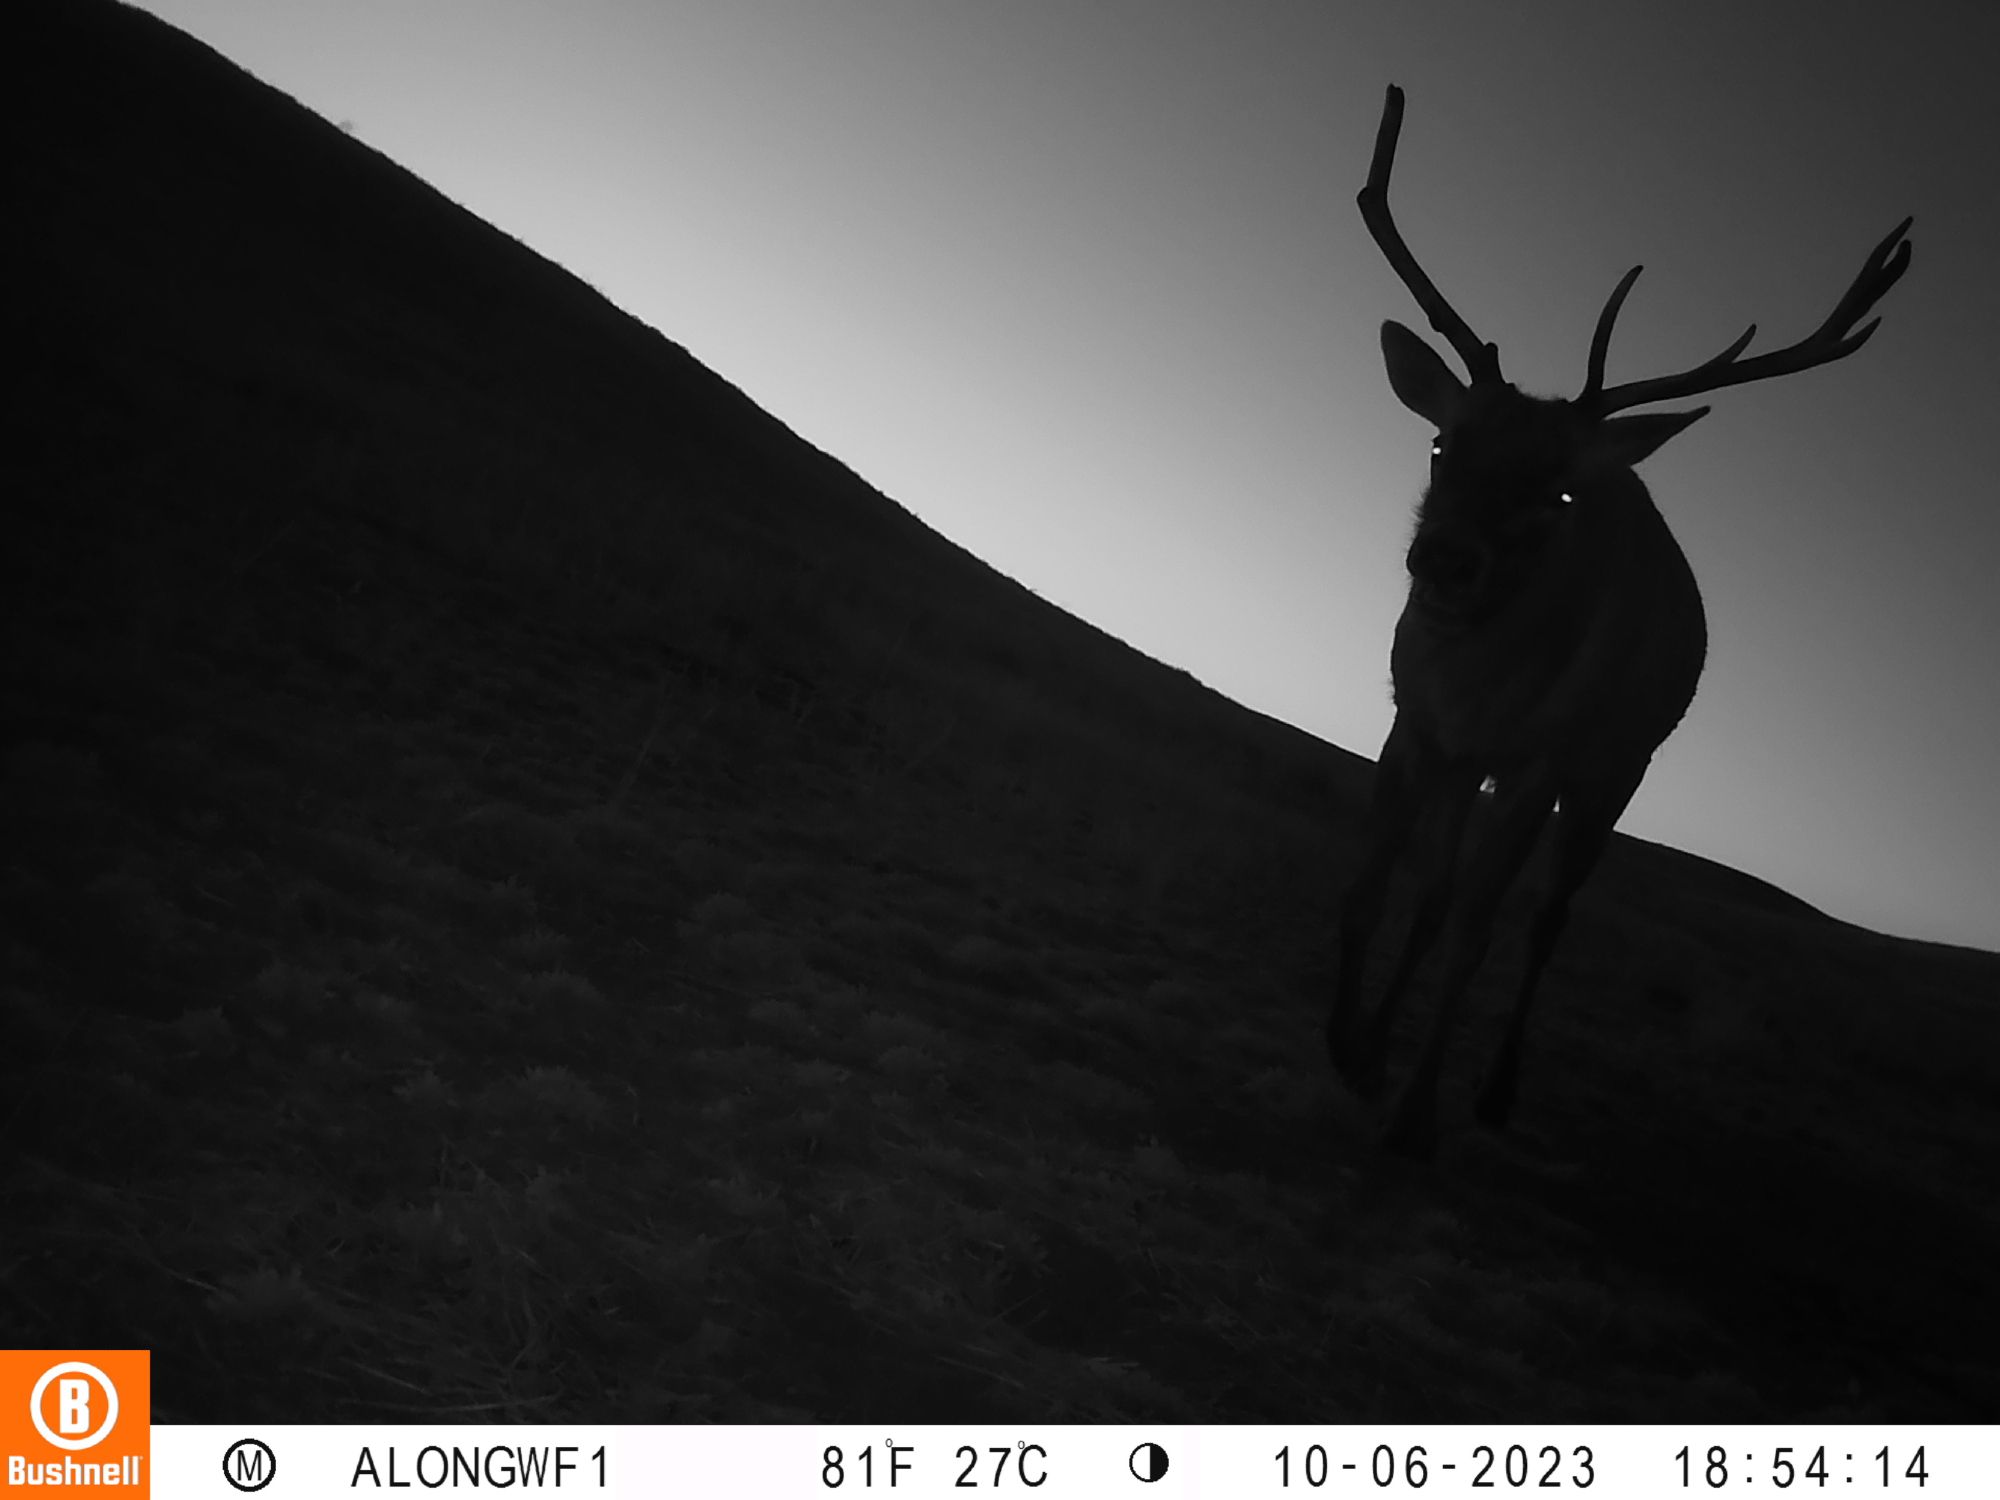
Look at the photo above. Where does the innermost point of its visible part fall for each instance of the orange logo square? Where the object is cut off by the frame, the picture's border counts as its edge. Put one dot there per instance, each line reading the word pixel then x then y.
pixel 76 1422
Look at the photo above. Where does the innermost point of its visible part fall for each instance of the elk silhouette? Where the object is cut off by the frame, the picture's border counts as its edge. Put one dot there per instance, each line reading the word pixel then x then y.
pixel 1552 639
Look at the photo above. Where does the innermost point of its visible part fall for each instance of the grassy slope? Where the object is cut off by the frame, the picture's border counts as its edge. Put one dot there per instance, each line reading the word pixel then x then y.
pixel 529 892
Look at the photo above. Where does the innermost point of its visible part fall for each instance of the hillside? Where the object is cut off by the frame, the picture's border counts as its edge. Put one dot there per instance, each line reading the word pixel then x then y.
pixel 531 893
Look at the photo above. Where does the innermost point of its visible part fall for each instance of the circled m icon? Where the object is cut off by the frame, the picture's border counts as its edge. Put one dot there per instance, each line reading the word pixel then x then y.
pixel 249 1465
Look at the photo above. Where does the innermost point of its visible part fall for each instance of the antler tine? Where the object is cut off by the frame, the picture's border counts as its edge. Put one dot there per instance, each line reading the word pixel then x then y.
pixel 1600 339
pixel 1482 360
pixel 1885 265
pixel 1742 343
pixel 1836 338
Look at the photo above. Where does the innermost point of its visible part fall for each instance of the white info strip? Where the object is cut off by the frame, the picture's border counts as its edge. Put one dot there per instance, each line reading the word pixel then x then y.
pixel 1070 1462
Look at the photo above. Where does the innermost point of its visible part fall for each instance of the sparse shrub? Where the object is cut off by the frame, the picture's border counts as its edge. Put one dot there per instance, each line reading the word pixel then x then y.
pixel 136 905
pixel 724 911
pixel 497 839
pixel 557 989
pixel 535 946
pixel 996 965
pixel 285 988
pixel 780 1015
pixel 602 828
pixel 765 954
pixel 32 1018
pixel 884 1029
pixel 565 1095
pixel 1088 1090
pixel 818 1076
pixel 426 1091
pixel 206 1031
pixel 910 1064
pixel 742 1196
pixel 384 1010
pixel 1158 1165
pixel 700 861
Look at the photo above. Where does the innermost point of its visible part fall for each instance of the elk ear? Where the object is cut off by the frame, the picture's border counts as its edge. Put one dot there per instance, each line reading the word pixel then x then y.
pixel 1420 378
pixel 1621 442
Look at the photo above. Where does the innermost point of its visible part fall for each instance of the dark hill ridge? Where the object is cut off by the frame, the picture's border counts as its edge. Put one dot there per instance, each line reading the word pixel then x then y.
pixel 298 277
pixel 530 891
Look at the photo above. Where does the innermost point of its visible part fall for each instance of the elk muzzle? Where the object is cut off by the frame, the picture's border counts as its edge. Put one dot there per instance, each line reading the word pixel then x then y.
pixel 1449 568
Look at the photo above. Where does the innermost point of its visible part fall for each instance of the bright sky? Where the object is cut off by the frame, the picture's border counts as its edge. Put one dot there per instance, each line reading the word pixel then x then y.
pixel 1084 287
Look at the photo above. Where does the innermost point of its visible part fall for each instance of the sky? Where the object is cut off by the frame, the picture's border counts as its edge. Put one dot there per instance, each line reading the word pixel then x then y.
pixel 1083 286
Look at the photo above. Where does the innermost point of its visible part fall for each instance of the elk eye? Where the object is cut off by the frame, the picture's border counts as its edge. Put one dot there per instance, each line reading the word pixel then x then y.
pixel 1437 449
pixel 1566 498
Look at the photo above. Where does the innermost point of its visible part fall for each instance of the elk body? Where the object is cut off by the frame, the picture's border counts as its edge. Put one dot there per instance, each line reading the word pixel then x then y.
pixel 1552 639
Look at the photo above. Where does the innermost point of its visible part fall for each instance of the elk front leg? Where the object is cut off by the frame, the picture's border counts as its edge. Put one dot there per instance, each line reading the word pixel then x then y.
pixel 1590 809
pixel 1406 768
pixel 1412 1129
pixel 1440 831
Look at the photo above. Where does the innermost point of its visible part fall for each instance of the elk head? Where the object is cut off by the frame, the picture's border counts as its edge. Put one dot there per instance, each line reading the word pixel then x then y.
pixel 1511 472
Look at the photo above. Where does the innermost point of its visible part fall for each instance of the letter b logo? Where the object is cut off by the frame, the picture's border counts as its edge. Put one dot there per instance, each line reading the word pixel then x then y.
pixel 85 1405
pixel 73 1407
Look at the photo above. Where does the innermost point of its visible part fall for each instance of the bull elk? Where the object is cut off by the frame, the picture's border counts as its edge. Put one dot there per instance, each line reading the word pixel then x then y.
pixel 1552 639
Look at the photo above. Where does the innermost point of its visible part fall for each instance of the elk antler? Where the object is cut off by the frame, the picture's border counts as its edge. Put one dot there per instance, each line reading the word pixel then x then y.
pixel 1482 360
pixel 1830 341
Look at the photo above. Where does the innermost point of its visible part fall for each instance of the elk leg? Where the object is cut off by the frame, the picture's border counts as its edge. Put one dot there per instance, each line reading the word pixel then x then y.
pixel 1441 832
pixel 1412 1129
pixel 1583 829
pixel 1392 807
